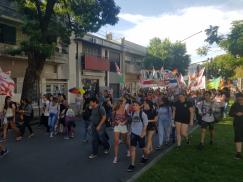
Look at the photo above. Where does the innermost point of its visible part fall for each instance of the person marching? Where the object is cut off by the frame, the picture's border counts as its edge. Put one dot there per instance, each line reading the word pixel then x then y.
pixel 120 125
pixel 164 122
pixel 151 113
pixel 206 109
pixel 236 112
pixel 99 135
pixel 138 132
pixel 183 116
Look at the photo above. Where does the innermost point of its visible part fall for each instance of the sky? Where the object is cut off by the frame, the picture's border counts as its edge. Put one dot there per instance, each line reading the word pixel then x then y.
pixel 142 20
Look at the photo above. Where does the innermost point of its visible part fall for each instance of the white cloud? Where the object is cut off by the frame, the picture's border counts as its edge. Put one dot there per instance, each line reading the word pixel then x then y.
pixel 179 25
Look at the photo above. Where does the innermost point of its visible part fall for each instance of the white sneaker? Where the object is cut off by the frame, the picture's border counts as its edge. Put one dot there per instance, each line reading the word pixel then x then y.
pixel 51 135
pixel 128 154
pixel 92 156
pixel 115 160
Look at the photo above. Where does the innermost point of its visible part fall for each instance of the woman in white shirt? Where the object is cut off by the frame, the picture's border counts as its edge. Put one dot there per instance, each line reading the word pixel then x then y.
pixel 53 115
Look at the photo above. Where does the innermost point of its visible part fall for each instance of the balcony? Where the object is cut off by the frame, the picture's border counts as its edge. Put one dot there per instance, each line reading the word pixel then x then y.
pixel 4 48
pixel 95 63
pixel 58 58
pixel 132 68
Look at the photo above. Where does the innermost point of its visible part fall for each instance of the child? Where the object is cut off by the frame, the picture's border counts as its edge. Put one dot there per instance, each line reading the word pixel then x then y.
pixel 138 133
pixel 69 123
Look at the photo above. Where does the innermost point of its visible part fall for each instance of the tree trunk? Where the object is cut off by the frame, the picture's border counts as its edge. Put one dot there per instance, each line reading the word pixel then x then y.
pixel 32 75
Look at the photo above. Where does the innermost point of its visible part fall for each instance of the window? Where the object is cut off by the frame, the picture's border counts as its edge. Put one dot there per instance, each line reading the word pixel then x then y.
pixel 106 54
pixel 114 59
pixel 48 89
pixel 7 34
pixel 55 89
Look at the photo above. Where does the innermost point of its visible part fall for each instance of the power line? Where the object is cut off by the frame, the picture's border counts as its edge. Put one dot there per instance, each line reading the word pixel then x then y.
pixel 191 36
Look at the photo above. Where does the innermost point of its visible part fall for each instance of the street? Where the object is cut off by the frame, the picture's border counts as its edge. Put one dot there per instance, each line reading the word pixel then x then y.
pixel 44 159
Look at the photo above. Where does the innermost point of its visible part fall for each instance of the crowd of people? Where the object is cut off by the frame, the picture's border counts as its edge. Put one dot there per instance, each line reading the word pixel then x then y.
pixel 135 118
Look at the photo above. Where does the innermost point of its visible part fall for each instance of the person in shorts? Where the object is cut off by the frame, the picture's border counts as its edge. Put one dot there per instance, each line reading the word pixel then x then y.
pixel 150 110
pixel 138 132
pixel 183 115
pixel 206 109
pixel 236 112
pixel 119 122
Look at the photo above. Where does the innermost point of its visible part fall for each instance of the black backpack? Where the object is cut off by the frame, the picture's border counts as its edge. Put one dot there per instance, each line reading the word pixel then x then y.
pixel 140 116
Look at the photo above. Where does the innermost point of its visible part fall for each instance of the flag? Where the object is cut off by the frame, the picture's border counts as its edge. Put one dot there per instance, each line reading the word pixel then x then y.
pixel 121 79
pixel 174 71
pixel 153 72
pixel 196 80
pixel 7 84
pixel 162 69
pixel 118 71
pixel 181 81
pixel 214 83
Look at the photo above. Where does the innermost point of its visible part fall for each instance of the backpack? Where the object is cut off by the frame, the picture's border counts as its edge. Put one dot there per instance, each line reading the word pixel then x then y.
pixel 140 116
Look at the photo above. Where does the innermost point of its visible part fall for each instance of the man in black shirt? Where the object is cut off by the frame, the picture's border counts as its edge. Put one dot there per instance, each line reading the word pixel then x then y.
pixel 236 112
pixel 183 115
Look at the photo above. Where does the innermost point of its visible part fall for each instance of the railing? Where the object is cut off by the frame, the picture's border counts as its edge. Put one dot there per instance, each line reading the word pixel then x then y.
pixel 59 58
pixel 5 48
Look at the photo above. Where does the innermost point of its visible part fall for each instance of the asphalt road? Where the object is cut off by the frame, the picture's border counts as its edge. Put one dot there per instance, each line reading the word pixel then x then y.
pixel 44 159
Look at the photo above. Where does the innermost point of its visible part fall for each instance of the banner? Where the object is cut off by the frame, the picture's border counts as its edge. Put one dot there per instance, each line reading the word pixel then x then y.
pixel 157 78
pixel 214 83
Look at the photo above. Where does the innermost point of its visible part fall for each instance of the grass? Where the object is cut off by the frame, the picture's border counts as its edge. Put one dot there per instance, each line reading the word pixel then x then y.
pixel 215 163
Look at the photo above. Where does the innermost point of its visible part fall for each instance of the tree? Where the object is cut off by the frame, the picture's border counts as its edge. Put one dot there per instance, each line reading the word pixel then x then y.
pixel 46 21
pixel 222 66
pixel 203 51
pixel 234 42
pixel 212 35
pixel 167 54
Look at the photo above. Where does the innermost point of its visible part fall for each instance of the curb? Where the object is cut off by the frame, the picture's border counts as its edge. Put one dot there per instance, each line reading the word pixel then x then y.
pixel 154 161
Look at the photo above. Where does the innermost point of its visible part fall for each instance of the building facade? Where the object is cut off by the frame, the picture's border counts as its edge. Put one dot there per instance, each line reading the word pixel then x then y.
pixel 133 58
pixel 54 77
pixel 89 62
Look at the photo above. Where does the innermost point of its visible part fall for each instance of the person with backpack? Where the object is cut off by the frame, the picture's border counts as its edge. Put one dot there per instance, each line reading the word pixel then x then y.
pixel 206 109
pixel 164 122
pixel 98 128
pixel 139 123
pixel 236 111
pixel 28 117
pixel 69 123
pixel 119 122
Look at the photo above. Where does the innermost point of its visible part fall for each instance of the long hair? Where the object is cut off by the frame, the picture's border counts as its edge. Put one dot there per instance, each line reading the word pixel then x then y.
pixel 6 103
pixel 118 105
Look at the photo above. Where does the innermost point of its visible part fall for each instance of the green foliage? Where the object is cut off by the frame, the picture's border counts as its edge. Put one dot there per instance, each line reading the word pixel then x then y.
pixel 234 43
pixel 223 65
pixel 47 20
pixel 167 54
pixel 203 51
pixel 212 35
